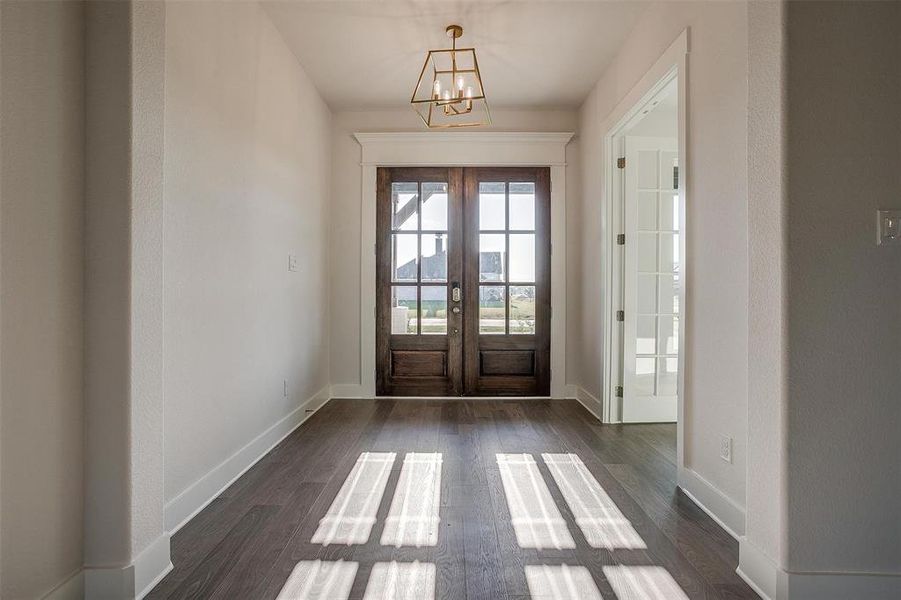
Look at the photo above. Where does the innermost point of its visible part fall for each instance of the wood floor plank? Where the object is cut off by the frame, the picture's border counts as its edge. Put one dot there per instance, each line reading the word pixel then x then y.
pixel 247 542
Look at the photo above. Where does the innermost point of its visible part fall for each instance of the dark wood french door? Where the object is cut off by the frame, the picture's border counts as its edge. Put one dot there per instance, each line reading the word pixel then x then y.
pixel 463 282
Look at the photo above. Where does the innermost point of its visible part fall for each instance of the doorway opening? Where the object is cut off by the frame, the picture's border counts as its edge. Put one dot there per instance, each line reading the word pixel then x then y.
pixel 646 293
pixel 463 286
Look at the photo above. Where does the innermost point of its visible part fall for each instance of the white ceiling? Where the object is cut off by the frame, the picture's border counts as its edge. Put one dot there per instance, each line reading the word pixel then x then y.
pixel 367 55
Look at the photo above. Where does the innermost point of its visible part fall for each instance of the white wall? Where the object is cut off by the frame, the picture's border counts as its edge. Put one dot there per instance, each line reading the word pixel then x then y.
pixel 247 151
pixel 42 212
pixel 844 370
pixel 716 224
pixel 345 217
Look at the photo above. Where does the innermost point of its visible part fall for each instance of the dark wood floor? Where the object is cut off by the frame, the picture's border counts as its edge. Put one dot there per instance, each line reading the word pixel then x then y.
pixel 246 543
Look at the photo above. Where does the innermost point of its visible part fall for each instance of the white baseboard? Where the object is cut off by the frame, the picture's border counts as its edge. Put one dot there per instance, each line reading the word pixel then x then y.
pixel 131 582
pixel 195 498
pixel 591 404
pixel 347 390
pixel 722 509
pixel 774 583
pixel 71 588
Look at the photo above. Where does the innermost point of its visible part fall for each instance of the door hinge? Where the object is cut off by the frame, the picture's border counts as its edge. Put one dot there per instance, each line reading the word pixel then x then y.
pixel 619 391
pixel 621 162
pixel 620 239
pixel 620 315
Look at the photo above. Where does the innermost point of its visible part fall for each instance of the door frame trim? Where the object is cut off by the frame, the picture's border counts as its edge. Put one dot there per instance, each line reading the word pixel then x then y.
pixel 671 65
pixel 462 149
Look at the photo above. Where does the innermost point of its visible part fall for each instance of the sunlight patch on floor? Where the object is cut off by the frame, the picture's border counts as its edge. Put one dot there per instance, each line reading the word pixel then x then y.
pixel 643 583
pixel 601 521
pixel 413 518
pixel 351 516
pixel 319 580
pixel 563 582
pixel 536 519
pixel 401 581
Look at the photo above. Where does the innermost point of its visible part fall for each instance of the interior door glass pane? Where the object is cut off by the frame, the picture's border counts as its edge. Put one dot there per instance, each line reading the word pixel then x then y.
pixel 669 162
pixel 434 309
pixel 492 206
pixel 668 338
pixel 403 309
pixel 647 169
pixel 522 206
pixel 404 205
pixel 668 288
pixel 646 335
pixel 522 309
pixel 669 211
pixel 434 206
pixel 647 252
pixel 434 256
pixel 403 257
pixel 647 294
pixel 491 257
pixel 492 305
pixel 644 376
pixel 647 211
pixel 669 252
pixel 522 257
pixel 667 371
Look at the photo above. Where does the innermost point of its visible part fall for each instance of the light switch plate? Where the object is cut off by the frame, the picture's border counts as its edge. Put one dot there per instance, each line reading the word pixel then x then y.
pixel 888 227
pixel 292 262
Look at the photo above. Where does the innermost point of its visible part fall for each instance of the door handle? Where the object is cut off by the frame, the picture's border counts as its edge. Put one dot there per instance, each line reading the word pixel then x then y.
pixel 456 294
pixel 456 310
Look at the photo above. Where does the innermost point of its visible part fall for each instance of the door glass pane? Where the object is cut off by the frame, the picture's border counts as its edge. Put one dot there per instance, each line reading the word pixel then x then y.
pixel 669 294
pixel 491 309
pixel 434 256
pixel 669 163
pixel 646 336
pixel 669 252
pixel 404 205
pixel 434 206
pixel 522 257
pixel 403 309
pixel 434 309
pixel 647 211
pixel 647 294
pixel 647 169
pixel 644 376
pixel 667 369
pixel 491 257
pixel 522 309
pixel 403 257
pixel 492 206
pixel 647 252
pixel 668 339
pixel 669 211
pixel 522 206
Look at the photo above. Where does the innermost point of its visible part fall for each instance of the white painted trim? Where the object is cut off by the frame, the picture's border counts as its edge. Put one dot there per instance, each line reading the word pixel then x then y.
pixel 133 581
pixel 673 63
pixel 588 401
pixel 774 583
pixel 71 588
pixel 757 569
pixel 462 149
pixel 722 509
pixel 195 498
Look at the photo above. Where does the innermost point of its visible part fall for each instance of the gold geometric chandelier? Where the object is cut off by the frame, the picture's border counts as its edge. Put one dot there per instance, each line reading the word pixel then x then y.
pixel 449 92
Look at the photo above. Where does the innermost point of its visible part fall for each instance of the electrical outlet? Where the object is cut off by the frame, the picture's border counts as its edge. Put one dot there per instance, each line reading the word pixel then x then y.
pixel 286 388
pixel 726 448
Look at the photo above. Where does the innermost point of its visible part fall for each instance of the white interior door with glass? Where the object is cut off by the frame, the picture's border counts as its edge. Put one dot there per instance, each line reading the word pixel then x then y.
pixel 651 280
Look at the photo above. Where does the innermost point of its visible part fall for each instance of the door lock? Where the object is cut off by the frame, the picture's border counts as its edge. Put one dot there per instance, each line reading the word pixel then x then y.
pixel 456 293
